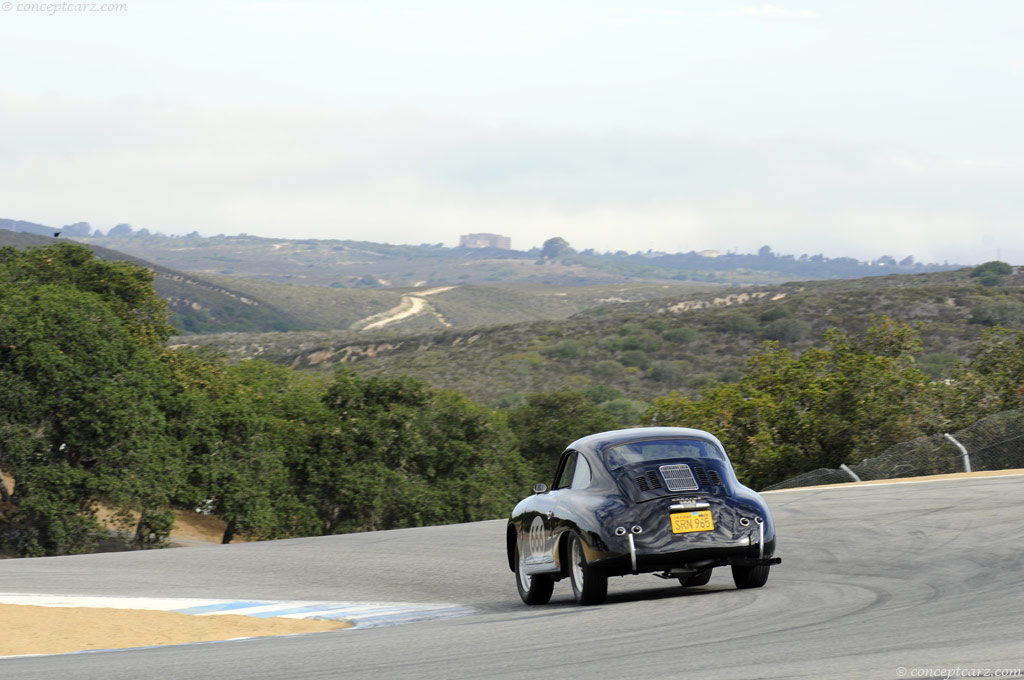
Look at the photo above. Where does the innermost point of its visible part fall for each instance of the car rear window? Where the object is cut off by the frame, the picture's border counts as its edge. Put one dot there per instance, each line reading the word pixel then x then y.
pixel 659 449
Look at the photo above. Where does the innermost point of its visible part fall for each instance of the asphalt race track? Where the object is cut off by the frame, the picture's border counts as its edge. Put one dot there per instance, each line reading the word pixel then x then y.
pixel 875 581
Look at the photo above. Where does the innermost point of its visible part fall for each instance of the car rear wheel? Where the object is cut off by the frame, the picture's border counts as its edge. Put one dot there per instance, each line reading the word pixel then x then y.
pixel 589 584
pixel 701 578
pixel 750 577
pixel 534 589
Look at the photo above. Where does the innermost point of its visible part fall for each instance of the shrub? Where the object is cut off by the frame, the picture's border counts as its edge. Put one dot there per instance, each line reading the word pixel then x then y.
pixel 635 358
pixel 991 273
pixel 610 343
pixel 699 381
pixel 990 279
pixel 776 313
pixel 599 394
pixel 567 349
pixel 642 341
pixel 608 369
pixel 740 323
pixel 994 267
pixel 788 329
pixel 656 324
pixel 670 372
pixel 730 375
pixel 625 411
pixel 508 400
pixel 937 365
pixel 680 336
pixel 1002 312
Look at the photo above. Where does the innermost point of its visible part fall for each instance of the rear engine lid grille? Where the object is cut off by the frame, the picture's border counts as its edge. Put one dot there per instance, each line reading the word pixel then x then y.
pixel 678 477
pixel 702 476
pixel 648 482
pixel 707 477
pixel 653 477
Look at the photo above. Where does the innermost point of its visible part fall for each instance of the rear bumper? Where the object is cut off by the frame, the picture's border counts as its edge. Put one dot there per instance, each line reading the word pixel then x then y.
pixel 688 561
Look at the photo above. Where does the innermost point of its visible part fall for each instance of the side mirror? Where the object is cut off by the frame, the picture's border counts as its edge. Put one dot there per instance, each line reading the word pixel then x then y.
pixel 540 487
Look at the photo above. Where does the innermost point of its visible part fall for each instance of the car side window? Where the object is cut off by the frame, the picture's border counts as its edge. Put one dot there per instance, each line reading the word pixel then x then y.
pixel 581 477
pixel 568 469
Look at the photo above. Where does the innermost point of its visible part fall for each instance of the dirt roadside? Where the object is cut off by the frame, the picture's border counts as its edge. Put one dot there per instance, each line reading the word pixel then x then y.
pixel 54 630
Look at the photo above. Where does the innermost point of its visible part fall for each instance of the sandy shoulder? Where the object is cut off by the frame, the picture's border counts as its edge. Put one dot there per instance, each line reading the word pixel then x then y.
pixel 54 630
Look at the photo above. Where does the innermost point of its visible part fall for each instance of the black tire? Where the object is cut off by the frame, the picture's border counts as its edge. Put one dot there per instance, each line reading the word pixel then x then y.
pixel 532 589
pixel 701 578
pixel 750 577
pixel 589 584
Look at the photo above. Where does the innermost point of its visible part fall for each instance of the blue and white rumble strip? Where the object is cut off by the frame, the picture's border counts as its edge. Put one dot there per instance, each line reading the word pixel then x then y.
pixel 359 614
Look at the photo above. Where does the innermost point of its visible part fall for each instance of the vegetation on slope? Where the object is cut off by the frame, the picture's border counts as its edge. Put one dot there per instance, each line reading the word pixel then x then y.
pixel 645 349
pixel 196 305
pixel 96 409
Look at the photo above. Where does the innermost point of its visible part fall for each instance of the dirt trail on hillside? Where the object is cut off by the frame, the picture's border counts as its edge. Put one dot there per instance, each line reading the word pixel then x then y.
pixel 411 305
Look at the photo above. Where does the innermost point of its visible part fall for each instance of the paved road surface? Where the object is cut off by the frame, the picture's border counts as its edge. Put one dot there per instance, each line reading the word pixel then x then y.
pixel 874 578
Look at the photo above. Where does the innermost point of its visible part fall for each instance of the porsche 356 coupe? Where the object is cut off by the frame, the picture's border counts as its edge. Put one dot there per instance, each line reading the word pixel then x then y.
pixel 660 500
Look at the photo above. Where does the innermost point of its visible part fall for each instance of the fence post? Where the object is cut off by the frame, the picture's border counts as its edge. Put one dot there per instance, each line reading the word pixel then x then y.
pixel 963 451
pixel 850 472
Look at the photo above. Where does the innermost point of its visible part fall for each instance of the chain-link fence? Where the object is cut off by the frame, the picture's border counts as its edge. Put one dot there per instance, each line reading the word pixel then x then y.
pixel 993 443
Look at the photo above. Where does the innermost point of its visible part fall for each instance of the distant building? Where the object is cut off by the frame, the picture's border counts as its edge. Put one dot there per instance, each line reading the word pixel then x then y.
pixel 710 253
pixel 485 241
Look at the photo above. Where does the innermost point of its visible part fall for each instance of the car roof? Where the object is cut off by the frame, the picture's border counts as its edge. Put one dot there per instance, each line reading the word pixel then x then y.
pixel 602 440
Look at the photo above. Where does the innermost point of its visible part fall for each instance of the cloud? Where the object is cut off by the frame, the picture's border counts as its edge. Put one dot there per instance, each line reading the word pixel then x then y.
pixel 770 12
pixel 404 176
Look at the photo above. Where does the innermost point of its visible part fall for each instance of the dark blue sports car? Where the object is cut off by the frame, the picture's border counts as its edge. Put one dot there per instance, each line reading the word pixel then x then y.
pixel 660 500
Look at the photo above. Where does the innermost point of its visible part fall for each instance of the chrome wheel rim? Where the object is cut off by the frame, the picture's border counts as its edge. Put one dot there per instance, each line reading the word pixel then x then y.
pixel 524 579
pixel 577 565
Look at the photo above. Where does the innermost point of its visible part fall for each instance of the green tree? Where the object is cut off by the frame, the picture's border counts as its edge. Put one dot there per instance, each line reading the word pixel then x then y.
pixel 243 430
pixel 991 381
pixel 396 453
pixel 549 421
pixel 125 288
pixel 80 417
pixel 829 405
pixel 554 247
pixel 991 273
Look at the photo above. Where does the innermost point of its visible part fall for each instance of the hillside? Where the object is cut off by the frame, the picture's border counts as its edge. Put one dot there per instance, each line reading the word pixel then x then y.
pixel 648 348
pixel 196 305
pixel 354 264
pixel 462 306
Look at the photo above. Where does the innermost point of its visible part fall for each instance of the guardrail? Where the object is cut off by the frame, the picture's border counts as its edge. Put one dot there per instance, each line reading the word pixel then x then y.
pixel 993 443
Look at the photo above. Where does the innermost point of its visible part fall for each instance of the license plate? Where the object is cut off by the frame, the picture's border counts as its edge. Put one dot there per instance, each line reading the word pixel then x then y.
pixel 688 522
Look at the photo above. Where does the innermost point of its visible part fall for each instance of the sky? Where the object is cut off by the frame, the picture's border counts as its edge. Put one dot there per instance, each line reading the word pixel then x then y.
pixel 847 128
